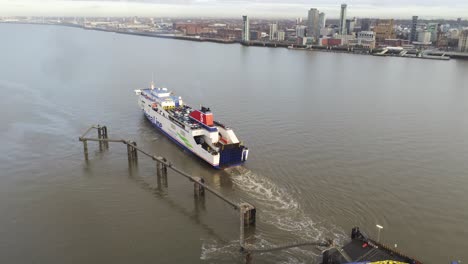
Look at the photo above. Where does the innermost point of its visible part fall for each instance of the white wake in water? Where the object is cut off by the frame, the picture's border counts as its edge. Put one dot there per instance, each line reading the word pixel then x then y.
pixel 276 207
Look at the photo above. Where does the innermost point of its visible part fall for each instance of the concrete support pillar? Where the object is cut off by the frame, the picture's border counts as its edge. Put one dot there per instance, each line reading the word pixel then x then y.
pixel 198 190
pixel 129 153
pixel 85 148
pixel 134 152
pixel 161 172
pixel 164 177
pixel 158 169
pixel 241 225
pixel 105 136
pixel 248 214
pixel 158 178
pixel 162 168
pixel 99 130
pixel 248 258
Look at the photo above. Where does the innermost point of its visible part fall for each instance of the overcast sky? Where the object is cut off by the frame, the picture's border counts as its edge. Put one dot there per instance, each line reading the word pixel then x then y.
pixel 235 8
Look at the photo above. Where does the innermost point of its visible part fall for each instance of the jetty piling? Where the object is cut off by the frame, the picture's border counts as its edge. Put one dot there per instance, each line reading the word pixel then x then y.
pixel 248 214
pixel 105 136
pixel 198 189
pixel 85 149
pixel 161 172
pixel 101 143
pixel 102 134
pixel 134 152
pixel 241 229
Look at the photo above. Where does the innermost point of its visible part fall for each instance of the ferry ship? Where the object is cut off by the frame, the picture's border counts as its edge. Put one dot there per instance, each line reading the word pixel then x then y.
pixel 195 130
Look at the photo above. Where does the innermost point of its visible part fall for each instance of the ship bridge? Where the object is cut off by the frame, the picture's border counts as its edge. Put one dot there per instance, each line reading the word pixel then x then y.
pixel 164 97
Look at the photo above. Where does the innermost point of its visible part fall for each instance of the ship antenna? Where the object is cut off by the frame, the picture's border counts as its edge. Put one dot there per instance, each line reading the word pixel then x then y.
pixel 152 81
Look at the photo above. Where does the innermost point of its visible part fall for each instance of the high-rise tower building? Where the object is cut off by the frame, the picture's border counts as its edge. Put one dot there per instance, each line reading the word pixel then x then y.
pixel 413 33
pixel 281 35
pixel 384 29
pixel 245 29
pixel 463 41
pixel 432 27
pixel 365 24
pixel 350 24
pixel 313 21
pixel 300 31
pixel 322 20
pixel 424 37
pixel 343 20
pixel 274 31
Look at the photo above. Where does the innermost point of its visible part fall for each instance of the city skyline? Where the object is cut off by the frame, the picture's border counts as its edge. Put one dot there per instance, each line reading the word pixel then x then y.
pixel 224 8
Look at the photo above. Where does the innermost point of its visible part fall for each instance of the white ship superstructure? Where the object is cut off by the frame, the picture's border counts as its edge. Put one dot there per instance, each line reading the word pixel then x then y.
pixel 194 130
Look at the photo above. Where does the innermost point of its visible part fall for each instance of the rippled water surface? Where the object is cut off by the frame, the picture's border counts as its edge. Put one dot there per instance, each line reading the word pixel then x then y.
pixel 336 140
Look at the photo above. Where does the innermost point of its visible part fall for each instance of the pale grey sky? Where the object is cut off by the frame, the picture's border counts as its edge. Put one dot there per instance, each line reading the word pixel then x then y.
pixel 235 8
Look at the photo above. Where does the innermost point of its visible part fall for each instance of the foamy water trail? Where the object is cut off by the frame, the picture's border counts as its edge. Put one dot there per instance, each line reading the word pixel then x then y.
pixel 277 205
pixel 213 250
pixel 279 209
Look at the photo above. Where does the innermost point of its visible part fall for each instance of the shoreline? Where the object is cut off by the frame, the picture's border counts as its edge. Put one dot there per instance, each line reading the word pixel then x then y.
pixel 438 55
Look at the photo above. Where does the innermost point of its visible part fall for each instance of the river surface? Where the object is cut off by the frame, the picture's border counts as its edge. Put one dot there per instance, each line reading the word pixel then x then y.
pixel 336 140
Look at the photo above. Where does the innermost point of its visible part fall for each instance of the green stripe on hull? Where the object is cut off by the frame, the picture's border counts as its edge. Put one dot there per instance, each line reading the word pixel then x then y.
pixel 185 140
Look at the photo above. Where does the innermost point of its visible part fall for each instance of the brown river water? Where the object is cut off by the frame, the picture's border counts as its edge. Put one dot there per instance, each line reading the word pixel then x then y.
pixel 336 140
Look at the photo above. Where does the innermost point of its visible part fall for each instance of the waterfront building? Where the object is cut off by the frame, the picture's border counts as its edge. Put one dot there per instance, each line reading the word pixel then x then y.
pixel 322 20
pixel 350 24
pixel 453 33
pixel 289 33
pixel 228 33
pixel 442 42
pixel 342 28
pixel 441 38
pixel 432 27
pixel 313 27
pixel 189 29
pixel 365 24
pixel 463 41
pixel 345 39
pixel 414 34
pixel 331 42
pixel 304 41
pixel 384 29
pixel 326 31
pixel 274 31
pixel 366 39
pixel 424 37
pixel 323 41
pixel 245 29
pixel 300 31
pixel 281 35
pixel 255 35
